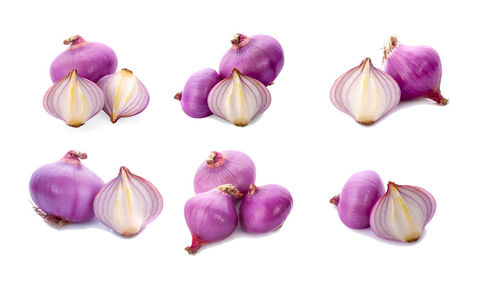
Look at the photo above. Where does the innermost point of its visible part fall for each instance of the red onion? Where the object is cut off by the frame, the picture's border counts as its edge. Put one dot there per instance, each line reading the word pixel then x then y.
pixel 258 56
pixel 402 213
pixel 194 96
pixel 127 203
pixel 74 99
pixel 226 167
pixel 357 198
pixel 65 190
pixel 265 208
pixel 211 216
pixel 365 93
pixel 124 93
pixel 239 99
pixel 417 70
pixel 92 60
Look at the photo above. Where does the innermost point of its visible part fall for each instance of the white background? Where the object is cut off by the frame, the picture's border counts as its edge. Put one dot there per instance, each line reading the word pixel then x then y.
pixel 301 142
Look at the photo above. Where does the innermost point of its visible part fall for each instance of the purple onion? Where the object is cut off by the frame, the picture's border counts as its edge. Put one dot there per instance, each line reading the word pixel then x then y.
pixel 226 167
pixel 194 96
pixel 211 216
pixel 65 190
pixel 358 196
pixel 402 213
pixel 92 60
pixel 417 70
pixel 258 56
pixel 265 208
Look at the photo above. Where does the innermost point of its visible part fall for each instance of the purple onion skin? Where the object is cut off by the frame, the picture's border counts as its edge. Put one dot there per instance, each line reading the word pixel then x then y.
pixel 259 56
pixel 92 60
pixel 194 96
pixel 65 189
pixel 228 167
pixel 358 196
pixel 266 209
pixel 210 217
pixel 417 70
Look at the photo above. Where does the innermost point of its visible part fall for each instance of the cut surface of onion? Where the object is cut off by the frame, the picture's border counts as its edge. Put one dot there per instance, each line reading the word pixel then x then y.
pixel 365 93
pixel 402 213
pixel 127 203
pixel 73 99
pixel 239 98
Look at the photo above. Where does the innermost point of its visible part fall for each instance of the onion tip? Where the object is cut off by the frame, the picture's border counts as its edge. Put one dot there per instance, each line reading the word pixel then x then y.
pixel 178 96
pixel 78 154
pixel 215 159
pixel 196 244
pixel 438 98
pixel 335 200
pixel 231 190
pixel 252 189
pixel 393 43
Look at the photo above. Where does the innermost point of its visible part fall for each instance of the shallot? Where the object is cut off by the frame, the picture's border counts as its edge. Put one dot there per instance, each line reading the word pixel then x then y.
pixel 194 96
pixel 258 56
pixel 417 70
pixel 265 208
pixel 92 60
pixel 211 216
pixel 357 198
pixel 226 167
pixel 127 203
pixel 64 191
pixel 73 99
pixel 365 93
pixel 239 99
pixel 125 95
pixel 402 212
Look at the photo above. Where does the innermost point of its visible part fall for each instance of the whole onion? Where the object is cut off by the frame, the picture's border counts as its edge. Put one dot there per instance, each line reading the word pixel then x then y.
pixel 92 60
pixel 194 96
pixel 226 167
pixel 211 216
pixel 417 70
pixel 358 196
pixel 65 190
pixel 265 208
pixel 258 56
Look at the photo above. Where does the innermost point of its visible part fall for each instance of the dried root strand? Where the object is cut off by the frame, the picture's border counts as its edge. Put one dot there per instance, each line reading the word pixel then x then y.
pixel 393 42
pixel 51 220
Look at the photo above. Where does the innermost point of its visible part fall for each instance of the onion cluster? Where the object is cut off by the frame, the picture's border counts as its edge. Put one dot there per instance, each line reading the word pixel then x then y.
pixel 399 214
pixel 251 64
pixel 66 191
pixel 367 93
pixel 85 82
pixel 220 182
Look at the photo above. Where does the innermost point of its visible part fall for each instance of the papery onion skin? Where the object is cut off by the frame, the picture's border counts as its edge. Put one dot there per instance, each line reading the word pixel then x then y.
pixel 194 96
pixel 239 99
pixel 402 212
pixel 125 95
pixel 352 94
pixel 358 196
pixel 211 216
pixel 73 99
pixel 128 203
pixel 92 60
pixel 65 190
pixel 258 56
pixel 226 167
pixel 265 208
pixel 417 70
